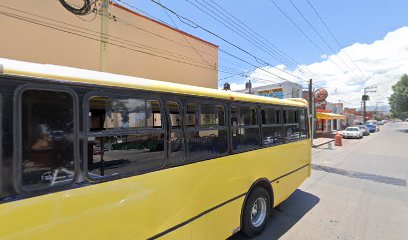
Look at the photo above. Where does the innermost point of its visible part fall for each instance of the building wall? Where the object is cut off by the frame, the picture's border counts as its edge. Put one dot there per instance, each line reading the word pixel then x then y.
pixel 76 43
pixel 280 90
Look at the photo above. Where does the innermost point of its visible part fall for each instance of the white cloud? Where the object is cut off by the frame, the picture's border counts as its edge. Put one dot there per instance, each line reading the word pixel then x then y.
pixel 382 63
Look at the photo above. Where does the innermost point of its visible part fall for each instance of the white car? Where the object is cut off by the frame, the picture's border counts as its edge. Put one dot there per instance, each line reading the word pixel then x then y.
pixel 352 132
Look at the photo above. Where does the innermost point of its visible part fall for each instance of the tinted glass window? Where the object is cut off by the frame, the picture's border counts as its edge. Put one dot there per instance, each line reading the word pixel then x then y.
pixel 272 136
pixel 48 138
pixel 221 115
pixel 278 115
pixel 291 116
pixel 247 116
pixel 208 115
pixel 113 155
pixel 205 144
pixel 113 152
pixel 234 116
pixel 192 111
pixel 304 125
pixel 123 113
pixel 270 116
pixel 245 138
pixel 175 117
pixel 292 133
pixel 176 150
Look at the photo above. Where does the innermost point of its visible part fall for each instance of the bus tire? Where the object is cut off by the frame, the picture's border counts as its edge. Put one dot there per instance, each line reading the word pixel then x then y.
pixel 256 212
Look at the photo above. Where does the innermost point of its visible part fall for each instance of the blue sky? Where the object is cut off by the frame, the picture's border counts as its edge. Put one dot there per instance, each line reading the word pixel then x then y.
pixel 352 22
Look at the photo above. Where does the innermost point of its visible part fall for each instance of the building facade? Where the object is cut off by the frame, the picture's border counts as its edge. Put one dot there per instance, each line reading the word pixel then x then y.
pixel 136 45
pixel 282 90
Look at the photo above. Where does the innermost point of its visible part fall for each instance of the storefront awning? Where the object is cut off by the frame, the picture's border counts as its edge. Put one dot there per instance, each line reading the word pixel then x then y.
pixel 323 115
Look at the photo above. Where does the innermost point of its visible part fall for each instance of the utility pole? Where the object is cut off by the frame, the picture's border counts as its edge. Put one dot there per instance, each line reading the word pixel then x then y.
pixel 103 64
pixel 365 98
pixel 248 86
pixel 376 107
pixel 311 109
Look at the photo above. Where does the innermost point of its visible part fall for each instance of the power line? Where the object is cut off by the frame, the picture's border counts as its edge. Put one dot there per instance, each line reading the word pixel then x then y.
pixel 305 35
pixel 262 39
pixel 318 34
pixel 189 42
pixel 333 36
pixel 93 33
pixel 225 21
pixel 237 31
pixel 39 23
pixel 183 19
pixel 236 28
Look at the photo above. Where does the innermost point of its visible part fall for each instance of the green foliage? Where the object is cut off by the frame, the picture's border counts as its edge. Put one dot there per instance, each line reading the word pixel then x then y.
pixel 399 99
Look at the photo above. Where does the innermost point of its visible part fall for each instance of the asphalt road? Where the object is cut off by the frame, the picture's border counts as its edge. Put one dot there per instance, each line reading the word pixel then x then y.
pixel 357 191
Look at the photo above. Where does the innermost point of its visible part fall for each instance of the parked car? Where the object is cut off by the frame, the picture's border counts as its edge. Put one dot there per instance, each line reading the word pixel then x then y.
pixel 372 121
pixel 364 130
pixel 352 132
pixel 371 128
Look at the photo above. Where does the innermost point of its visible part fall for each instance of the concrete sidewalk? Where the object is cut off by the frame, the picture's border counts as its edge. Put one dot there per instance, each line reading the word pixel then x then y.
pixel 324 138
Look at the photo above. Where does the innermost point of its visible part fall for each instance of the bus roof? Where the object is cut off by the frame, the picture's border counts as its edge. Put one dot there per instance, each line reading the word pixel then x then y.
pixel 76 75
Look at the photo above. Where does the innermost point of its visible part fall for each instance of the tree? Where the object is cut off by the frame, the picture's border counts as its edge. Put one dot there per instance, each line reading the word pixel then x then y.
pixel 399 98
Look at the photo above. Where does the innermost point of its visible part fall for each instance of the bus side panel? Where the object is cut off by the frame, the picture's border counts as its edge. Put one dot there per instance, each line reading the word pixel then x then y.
pixel 183 232
pixel 142 206
pixel 224 221
pixel 295 155
pixel 285 186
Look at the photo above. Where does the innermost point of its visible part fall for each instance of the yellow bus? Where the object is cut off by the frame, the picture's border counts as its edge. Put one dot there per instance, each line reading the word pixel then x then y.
pixel 91 155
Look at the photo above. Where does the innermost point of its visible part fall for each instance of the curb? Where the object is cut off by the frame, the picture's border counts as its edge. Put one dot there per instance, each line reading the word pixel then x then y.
pixel 318 145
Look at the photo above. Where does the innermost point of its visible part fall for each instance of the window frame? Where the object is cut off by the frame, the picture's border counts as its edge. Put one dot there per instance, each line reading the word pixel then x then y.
pixel 169 129
pixel 18 141
pixel 197 127
pixel 306 122
pixel 119 93
pixel 295 109
pixel 1 145
pixel 257 125
pixel 273 125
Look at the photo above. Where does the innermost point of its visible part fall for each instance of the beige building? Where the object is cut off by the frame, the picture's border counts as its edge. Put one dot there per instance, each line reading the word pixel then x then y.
pixel 45 32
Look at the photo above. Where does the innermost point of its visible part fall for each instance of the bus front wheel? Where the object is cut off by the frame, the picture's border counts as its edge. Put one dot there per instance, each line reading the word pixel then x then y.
pixel 256 212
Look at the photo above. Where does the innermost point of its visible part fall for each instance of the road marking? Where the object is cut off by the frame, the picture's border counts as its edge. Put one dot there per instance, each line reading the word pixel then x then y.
pixel 361 175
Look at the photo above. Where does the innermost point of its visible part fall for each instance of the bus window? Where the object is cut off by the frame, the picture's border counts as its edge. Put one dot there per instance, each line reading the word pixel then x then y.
pixel 304 126
pixel 221 115
pixel 210 138
pixel 208 115
pixel 291 125
pixel 176 149
pixel 123 113
pixel 126 136
pixel 174 113
pixel 192 111
pixel 245 135
pixel 271 127
pixel 122 154
pixel 47 138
